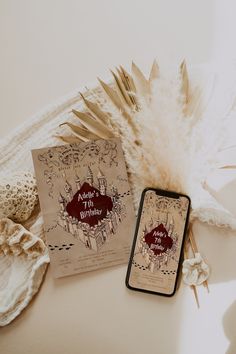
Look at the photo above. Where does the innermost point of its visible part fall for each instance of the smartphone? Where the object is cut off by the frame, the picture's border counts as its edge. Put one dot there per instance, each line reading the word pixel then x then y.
pixel 157 249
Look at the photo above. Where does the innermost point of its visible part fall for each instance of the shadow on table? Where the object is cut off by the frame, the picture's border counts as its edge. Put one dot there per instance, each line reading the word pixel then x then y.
pixel 229 324
pixel 120 320
pixel 218 245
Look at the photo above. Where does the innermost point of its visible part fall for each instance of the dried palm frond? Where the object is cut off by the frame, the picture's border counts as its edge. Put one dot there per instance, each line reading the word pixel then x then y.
pixel 93 125
pixel 154 73
pixel 96 111
pixel 185 82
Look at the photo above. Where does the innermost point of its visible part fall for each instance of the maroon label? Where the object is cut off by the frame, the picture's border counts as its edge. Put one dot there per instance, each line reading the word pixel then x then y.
pixel 88 205
pixel 158 240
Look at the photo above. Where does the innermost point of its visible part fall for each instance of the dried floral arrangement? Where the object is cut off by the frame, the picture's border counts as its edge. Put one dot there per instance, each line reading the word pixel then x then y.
pixel 171 135
pixel 169 139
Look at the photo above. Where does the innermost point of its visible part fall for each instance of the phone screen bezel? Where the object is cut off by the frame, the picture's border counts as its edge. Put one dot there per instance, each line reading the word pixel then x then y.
pixel 169 194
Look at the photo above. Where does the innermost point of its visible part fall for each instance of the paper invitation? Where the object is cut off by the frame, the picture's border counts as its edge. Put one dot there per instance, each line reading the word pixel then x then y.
pixel 87 205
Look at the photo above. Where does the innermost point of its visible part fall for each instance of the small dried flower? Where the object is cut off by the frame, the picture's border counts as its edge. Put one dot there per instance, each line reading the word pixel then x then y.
pixel 195 270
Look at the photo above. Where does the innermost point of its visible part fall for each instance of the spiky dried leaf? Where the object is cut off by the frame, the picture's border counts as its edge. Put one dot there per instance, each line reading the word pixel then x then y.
pixel 121 88
pixel 93 126
pixel 68 139
pixel 117 102
pixel 228 167
pixel 95 110
pixel 129 85
pixel 154 73
pixel 112 94
pixel 81 133
pixel 141 83
pixel 185 81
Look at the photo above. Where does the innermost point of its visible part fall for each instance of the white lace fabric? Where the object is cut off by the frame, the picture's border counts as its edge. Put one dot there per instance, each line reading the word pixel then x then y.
pixel 18 196
pixel 23 255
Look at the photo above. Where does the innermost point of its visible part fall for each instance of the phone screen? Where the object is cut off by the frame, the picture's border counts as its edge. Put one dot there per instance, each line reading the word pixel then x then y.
pixel 155 256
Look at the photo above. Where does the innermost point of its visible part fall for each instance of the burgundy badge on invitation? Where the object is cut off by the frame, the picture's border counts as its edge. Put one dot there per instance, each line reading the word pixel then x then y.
pixel 158 240
pixel 88 205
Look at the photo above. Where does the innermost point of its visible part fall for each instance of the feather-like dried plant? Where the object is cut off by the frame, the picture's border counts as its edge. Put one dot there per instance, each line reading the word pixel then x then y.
pixel 171 133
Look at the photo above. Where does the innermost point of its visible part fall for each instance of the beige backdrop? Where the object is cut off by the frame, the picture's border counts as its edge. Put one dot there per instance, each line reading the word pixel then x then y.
pixel 51 47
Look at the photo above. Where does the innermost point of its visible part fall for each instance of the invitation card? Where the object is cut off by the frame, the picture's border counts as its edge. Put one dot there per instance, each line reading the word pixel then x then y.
pixel 86 203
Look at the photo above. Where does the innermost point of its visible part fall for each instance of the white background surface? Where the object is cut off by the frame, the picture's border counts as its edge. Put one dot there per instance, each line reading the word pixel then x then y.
pixel 49 48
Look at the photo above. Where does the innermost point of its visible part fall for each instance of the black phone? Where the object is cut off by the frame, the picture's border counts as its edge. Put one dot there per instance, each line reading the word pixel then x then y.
pixel 157 249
